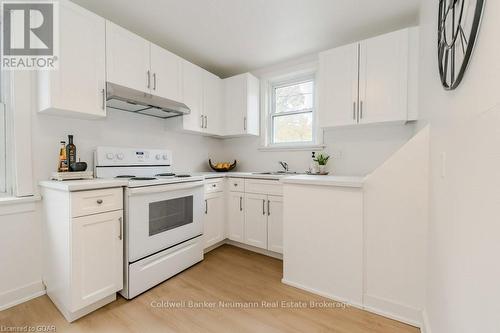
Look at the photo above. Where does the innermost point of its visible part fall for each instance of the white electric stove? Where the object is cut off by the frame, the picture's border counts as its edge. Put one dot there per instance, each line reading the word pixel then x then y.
pixel 163 215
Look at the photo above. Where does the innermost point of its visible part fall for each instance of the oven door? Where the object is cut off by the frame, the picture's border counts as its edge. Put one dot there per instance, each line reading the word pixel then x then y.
pixel 161 216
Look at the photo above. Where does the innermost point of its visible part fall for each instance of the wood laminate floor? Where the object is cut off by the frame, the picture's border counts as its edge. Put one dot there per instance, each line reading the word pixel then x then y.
pixel 227 289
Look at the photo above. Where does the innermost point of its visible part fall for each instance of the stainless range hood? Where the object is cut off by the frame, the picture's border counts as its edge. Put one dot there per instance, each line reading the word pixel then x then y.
pixel 131 100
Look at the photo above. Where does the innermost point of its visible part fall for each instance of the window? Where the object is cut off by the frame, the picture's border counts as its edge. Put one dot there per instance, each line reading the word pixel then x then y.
pixel 291 114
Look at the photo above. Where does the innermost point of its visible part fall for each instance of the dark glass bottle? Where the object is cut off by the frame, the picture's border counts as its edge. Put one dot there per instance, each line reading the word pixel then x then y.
pixel 70 152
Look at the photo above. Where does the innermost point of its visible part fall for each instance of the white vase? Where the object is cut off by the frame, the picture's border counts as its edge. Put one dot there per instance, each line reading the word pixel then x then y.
pixel 322 169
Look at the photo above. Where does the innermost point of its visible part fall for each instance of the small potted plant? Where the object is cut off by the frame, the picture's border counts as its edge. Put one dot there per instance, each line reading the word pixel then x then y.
pixel 322 160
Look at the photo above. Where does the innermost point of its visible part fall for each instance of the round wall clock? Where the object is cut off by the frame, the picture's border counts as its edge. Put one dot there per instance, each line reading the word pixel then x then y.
pixel 458 27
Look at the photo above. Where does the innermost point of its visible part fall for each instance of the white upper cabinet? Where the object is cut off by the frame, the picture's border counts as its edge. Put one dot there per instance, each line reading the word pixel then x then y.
pixel 369 82
pixel 166 74
pixel 127 58
pixel 192 87
pixel 76 88
pixel 212 103
pixel 241 105
pixel 338 85
pixel 383 78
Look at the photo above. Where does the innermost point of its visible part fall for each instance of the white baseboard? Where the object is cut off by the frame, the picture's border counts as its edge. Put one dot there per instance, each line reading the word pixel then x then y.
pixel 255 249
pixel 323 294
pixel 393 310
pixel 426 327
pixel 20 295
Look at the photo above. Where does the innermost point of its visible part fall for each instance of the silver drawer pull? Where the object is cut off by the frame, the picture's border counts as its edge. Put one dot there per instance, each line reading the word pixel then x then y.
pixel 99 201
pixel 214 185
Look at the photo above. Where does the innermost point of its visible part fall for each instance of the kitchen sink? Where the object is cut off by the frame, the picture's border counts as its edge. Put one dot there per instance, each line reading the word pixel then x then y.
pixel 276 173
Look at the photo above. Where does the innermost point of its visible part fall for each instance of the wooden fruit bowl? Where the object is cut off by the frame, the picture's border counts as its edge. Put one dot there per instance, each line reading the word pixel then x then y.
pixel 231 167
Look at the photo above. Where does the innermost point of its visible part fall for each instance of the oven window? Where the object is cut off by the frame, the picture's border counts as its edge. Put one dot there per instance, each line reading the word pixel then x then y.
pixel 170 214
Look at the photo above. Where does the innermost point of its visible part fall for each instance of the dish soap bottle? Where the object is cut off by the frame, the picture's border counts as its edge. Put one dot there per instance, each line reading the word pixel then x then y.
pixel 63 161
pixel 314 168
pixel 70 152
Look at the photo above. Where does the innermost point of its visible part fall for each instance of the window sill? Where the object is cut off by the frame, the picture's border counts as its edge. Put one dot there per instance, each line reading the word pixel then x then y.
pixel 292 148
pixel 15 205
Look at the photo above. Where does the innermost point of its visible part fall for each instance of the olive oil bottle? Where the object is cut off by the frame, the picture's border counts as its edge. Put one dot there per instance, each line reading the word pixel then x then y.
pixel 70 152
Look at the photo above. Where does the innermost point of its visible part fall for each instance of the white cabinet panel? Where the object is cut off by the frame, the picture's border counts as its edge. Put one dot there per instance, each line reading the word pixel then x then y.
pixel 214 219
pixel 192 83
pixel 383 68
pixel 127 58
pixel 241 105
pixel 96 258
pixel 166 74
pixel 256 220
pixel 76 88
pixel 212 103
pixel 236 216
pixel 275 224
pixel 338 88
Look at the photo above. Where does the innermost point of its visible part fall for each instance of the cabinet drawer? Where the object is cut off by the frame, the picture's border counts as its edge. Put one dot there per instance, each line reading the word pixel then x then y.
pixel 97 201
pixel 214 185
pixel 271 187
pixel 236 184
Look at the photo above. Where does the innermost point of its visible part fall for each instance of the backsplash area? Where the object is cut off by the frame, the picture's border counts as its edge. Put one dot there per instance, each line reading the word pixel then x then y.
pixel 355 151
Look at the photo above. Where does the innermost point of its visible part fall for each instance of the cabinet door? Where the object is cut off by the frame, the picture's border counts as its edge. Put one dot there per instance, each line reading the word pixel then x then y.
pixel 338 86
pixel 77 86
pixel 383 85
pixel 212 103
pixel 213 230
pixel 256 220
pixel 236 216
pixel 235 104
pixel 166 73
pixel 275 224
pixel 192 88
pixel 127 58
pixel 96 257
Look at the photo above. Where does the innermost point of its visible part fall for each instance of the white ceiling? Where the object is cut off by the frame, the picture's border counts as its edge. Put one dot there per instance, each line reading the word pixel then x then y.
pixel 229 37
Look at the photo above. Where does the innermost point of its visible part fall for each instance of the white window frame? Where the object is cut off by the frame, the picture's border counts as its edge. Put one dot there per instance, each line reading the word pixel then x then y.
pixel 271 78
pixel 273 114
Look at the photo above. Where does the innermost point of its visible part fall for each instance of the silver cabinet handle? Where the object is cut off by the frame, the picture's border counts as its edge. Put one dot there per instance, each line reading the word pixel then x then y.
pixel 103 92
pixel 354 110
pixel 245 123
pixel 149 79
pixel 206 207
pixel 154 81
pixel 99 201
pixel 268 207
pixel 120 221
pixel 241 204
pixel 361 109
pixel 202 121
pixel 263 207
pixel 206 121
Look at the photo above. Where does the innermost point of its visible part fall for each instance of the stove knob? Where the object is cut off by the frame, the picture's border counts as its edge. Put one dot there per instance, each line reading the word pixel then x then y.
pixel 158 156
pixel 165 157
pixel 110 156
pixel 119 156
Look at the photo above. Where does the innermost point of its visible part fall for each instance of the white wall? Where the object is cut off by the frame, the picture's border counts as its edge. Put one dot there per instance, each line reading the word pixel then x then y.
pixel 464 236
pixel 354 151
pixel 395 224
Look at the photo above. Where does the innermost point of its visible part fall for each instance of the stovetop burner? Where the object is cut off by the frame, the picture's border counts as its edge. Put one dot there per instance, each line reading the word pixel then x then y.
pixel 143 178
pixel 125 176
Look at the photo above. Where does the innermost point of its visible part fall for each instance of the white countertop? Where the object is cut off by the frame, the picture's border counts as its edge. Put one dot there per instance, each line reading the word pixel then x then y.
pixel 82 185
pixel 343 181
pixel 231 174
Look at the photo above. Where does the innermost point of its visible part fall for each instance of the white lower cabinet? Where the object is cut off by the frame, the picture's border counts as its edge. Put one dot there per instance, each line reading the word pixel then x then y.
pixel 214 219
pixel 256 220
pixel 96 257
pixel 236 216
pixel 275 223
pixel 83 253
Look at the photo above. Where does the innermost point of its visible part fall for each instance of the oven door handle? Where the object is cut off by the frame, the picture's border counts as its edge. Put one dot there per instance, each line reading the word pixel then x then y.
pixel 163 188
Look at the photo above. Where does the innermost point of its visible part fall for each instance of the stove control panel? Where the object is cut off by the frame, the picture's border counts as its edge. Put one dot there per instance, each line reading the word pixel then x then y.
pixel 115 156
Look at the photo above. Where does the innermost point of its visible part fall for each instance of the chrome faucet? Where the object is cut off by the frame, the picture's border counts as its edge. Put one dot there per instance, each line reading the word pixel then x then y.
pixel 284 165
